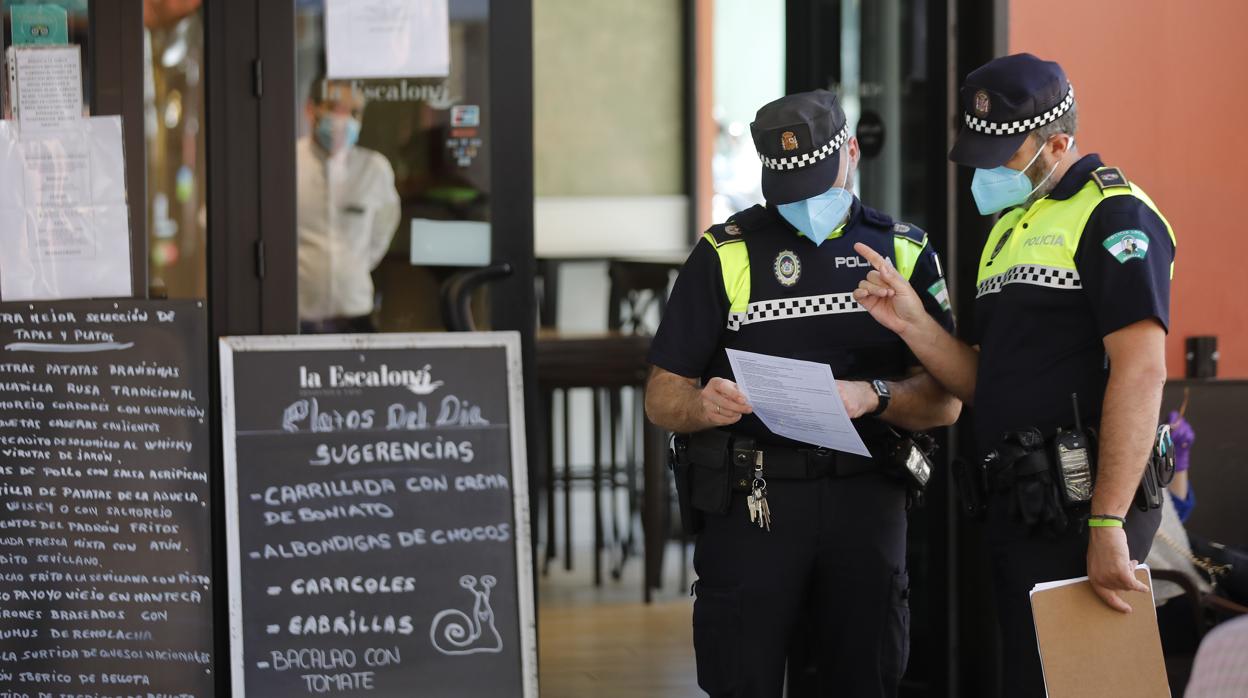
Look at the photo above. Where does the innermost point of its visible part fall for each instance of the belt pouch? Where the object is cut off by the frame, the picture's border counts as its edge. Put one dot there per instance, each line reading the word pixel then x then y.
pixel 678 460
pixel 710 475
pixel 972 489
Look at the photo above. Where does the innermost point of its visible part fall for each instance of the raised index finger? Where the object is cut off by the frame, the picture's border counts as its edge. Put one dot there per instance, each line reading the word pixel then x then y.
pixel 877 261
pixel 887 272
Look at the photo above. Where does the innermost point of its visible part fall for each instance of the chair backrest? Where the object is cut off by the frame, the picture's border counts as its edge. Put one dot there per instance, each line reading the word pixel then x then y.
pixel 636 287
pixel 456 294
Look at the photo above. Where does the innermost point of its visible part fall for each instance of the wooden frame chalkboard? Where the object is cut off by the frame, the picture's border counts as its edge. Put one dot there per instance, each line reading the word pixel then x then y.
pixel 377 515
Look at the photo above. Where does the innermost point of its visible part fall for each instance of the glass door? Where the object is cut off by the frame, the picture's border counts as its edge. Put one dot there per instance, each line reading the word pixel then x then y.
pixel 393 161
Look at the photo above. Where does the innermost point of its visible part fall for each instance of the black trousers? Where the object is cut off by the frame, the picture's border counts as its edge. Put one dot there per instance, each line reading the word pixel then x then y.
pixel 835 555
pixel 1020 560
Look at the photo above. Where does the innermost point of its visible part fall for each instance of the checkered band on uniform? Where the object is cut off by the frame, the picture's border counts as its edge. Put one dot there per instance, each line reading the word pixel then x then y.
pixel 1008 128
pixel 797 162
pixel 789 308
pixel 1034 274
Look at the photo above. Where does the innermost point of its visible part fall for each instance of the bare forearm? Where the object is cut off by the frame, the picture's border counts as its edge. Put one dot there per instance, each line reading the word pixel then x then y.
pixel 673 403
pixel 919 402
pixel 952 362
pixel 1128 429
pixel 1178 486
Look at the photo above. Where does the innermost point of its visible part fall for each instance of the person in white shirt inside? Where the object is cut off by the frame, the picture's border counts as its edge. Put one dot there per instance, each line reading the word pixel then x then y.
pixel 348 210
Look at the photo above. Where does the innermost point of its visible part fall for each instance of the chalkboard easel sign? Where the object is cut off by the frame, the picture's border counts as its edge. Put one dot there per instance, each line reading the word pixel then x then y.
pixel 377 516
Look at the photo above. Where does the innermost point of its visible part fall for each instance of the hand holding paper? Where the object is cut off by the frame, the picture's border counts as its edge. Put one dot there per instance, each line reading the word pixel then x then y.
pixel 723 403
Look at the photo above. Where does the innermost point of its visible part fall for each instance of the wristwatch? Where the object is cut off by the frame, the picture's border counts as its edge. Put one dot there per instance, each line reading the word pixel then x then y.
pixel 883 393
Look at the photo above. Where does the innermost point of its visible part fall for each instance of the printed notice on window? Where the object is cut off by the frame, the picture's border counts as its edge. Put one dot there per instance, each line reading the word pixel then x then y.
pixel 387 38
pixel 49 87
pixel 65 228
pixel 797 400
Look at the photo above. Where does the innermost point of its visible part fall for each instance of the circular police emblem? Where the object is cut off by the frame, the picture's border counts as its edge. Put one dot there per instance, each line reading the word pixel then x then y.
pixel 732 229
pixel 982 103
pixel 788 268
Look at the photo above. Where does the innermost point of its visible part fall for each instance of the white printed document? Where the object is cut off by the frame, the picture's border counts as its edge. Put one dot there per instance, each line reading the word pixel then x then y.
pixel 64 222
pixel 797 400
pixel 387 38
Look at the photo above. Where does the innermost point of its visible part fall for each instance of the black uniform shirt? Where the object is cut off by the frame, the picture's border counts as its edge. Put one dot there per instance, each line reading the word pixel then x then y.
pixel 692 339
pixel 1039 345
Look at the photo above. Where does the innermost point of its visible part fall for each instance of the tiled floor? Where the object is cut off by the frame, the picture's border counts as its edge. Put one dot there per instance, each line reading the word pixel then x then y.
pixel 604 642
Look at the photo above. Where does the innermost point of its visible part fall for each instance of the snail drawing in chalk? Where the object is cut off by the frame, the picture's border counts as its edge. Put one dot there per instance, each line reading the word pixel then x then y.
pixel 455 632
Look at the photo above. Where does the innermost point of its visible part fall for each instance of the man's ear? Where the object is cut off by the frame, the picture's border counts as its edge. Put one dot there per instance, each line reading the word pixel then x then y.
pixel 1059 147
pixel 852 149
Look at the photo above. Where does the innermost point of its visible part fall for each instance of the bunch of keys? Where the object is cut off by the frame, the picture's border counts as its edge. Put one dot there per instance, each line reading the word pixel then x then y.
pixel 756 501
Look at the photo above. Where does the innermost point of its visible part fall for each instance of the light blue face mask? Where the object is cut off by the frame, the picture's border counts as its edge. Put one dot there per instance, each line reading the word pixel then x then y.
pixel 820 215
pixel 1002 187
pixel 336 133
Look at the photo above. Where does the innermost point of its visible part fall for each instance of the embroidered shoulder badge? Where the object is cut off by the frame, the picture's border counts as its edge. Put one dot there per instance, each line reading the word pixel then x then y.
pixel 1127 244
pixel 940 292
pixel 1110 177
pixel 788 268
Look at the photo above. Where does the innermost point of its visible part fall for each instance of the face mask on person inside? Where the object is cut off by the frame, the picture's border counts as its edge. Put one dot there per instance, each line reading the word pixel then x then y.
pixel 337 132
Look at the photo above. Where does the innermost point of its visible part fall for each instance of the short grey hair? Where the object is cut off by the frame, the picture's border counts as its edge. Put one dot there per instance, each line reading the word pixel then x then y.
pixel 1064 124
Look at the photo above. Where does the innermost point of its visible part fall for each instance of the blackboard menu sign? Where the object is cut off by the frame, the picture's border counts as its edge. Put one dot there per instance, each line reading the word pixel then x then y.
pixel 377 516
pixel 105 524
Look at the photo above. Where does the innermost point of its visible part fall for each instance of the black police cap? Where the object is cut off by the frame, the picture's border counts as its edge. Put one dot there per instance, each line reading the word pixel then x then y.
pixel 798 138
pixel 1003 101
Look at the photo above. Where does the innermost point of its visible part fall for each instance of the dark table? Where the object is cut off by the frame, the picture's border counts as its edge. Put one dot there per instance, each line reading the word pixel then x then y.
pixel 605 360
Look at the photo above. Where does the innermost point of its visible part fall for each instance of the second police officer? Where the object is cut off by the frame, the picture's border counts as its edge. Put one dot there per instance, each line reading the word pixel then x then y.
pixel 778 279
pixel 1071 309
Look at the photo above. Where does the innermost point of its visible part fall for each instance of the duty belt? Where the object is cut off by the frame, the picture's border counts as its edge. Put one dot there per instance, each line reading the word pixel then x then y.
pixel 783 462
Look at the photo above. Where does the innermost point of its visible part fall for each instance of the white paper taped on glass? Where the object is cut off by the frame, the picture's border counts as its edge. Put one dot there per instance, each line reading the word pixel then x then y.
pixel 387 38
pixel 64 224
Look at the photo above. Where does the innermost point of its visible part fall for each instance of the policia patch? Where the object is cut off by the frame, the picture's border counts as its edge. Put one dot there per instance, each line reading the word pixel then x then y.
pixel 1127 244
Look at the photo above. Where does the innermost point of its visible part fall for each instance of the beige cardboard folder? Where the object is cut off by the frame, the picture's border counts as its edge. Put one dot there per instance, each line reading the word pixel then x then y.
pixel 1089 649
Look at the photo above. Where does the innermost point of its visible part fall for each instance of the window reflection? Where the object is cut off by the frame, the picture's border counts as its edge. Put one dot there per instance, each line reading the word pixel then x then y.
pixel 173 123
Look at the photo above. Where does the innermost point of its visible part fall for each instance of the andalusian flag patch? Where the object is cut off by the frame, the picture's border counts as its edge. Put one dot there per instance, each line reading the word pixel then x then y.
pixel 941 293
pixel 1128 244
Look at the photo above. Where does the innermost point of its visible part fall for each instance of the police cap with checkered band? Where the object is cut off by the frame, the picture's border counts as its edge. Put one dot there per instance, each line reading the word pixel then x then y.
pixel 799 139
pixel 1003 101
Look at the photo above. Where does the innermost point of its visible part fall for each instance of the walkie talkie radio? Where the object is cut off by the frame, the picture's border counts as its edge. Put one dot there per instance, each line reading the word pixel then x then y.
pixel 1074 461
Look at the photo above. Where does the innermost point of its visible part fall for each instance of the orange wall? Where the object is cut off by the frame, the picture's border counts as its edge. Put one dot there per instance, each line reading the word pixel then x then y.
pixel 1163 94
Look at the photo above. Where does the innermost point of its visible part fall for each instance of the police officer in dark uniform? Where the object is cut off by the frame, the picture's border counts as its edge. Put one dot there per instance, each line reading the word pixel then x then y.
pixel 1066 362
pixel 778 280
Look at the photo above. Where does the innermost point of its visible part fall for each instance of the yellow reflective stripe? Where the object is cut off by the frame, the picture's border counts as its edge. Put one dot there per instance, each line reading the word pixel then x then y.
pixel 1053 230
pixel 907 252
pixel 734 265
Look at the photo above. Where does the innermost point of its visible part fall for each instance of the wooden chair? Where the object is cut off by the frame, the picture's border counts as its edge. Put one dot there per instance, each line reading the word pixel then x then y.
pixel 456 295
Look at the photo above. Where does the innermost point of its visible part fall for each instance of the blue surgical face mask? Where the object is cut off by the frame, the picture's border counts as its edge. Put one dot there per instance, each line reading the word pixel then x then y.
pixel 1002 187
pixel 820 215
pixel 336 132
